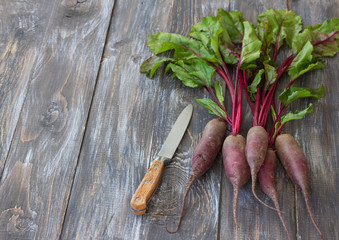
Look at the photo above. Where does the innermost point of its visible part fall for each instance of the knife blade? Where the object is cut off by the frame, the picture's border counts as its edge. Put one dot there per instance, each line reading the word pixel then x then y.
pixel 152 178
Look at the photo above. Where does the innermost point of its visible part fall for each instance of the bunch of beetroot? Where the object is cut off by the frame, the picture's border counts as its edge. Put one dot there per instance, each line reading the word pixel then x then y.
pixel 227 42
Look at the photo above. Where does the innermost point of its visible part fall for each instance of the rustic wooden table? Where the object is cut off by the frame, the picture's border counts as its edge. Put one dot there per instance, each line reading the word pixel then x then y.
pixel 80 126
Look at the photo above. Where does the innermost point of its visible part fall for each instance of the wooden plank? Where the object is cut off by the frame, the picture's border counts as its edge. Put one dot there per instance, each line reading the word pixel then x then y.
pixel 116 148
pixel 125 134
pixel 47 141
pixel 317 135
pixel 22 29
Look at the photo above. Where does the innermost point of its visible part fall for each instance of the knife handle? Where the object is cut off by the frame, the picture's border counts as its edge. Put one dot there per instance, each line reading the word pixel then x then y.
pixel 147 187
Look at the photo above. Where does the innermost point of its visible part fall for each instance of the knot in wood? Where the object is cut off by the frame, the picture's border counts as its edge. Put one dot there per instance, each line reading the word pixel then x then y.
pixel 53 117
pixel 76 8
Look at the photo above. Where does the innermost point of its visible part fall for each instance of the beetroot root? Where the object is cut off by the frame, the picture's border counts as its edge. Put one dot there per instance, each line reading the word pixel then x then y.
pixel 236 167
pixel 255 151
pixel 203 157
pixel 266 180
pixel 295 164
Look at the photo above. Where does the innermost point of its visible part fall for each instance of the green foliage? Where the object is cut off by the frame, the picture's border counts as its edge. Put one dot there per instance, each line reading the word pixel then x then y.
pixel 304 62
pixel 219 92
pixel 252 89
pixel 212 107
pixel 293 93
pixel 251 46
pixel 227 39
pixel 277 26
pixel 152 64
pixel 324 38
pixel 193 73
pixel 270 75
pixel 296 115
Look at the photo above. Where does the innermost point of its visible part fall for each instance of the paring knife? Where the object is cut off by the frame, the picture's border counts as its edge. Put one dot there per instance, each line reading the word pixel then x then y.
pixel 151 180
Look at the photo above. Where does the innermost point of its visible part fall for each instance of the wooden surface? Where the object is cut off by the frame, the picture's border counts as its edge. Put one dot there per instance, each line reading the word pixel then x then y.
pixel 79 127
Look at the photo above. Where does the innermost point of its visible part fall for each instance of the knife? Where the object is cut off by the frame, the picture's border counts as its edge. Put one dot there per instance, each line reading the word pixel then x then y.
pixel 151 180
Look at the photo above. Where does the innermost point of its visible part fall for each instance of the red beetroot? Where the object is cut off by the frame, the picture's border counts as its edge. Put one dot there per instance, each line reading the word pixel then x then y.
pixel 266 179
pixel 236 167
pixel 255 151
pixel 203 156
pixel 295 164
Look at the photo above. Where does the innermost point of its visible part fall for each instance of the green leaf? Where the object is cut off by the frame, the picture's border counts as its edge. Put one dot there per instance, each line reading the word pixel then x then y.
pixel 233 23
pixel 218 92
pixel 152 64
pixel 304 62
pixel 265 34
pixel 206 30
pixel 293 93
pixel 215 45
pixel 252 89
pixel 270 75
pixel 212 107
pixel 251 46
pixel 193 73
pixel 228 55
pixel 277 26
pixel 296 115
pixel 324 38
pixel 184 48
pixel 182 74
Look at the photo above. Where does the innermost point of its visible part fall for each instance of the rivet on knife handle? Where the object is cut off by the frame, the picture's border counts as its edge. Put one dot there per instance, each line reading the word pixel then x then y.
pixel 147 187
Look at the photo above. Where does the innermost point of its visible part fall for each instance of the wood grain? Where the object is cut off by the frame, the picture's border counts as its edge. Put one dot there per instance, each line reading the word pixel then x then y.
pixel 53 118
pixel 22 29
pixel 116 152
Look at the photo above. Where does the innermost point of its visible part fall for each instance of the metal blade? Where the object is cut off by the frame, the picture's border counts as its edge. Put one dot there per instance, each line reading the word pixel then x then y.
pixel 174 137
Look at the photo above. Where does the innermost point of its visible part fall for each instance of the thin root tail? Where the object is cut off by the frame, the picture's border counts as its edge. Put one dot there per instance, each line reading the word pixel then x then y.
pixel 254 179
pixel 235 203
pixel 310 212
pixel 276 204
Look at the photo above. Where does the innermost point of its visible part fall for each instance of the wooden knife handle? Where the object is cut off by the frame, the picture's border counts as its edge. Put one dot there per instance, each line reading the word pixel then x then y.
pixel 147 188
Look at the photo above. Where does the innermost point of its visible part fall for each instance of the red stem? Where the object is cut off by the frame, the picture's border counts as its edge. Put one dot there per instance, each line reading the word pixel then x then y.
pixel 265 106
pixel 224 67
pixel 320 42
pixel 239 107
pixel 269 97
pixel 235 104
pixel 227 81
pixel 219 104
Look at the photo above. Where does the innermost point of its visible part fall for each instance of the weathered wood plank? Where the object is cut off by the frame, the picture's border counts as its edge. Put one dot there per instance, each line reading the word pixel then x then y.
pixel 116 148
pixel 47 141
pixel 256 221
pixel 22 29
pixel 125 135
pixel 317 135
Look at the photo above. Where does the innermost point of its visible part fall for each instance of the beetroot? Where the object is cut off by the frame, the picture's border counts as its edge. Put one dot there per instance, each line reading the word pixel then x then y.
pixel 236 167
pixel 255 150
pixel 203 157
pixel 295 164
